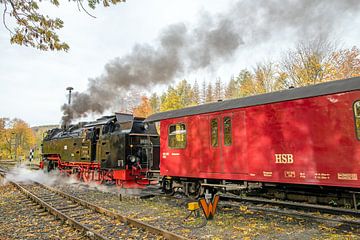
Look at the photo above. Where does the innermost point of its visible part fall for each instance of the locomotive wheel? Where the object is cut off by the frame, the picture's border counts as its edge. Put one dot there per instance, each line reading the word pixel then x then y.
pixel 50 166
pixel 45 166
pixel 98 178
pixel 86 176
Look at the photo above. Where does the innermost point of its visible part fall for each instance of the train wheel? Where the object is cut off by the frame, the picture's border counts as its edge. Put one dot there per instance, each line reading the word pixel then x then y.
pixel 119 183
pixel 167 186
pixel 50 166
pixel 45 166
pixel 98 177
pixel 86 176
pixel 194 189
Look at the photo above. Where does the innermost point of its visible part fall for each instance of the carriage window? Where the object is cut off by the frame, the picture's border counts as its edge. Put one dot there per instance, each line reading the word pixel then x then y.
pixel 214 132
pixel 357 118
pixel 227 131
pixel 177 136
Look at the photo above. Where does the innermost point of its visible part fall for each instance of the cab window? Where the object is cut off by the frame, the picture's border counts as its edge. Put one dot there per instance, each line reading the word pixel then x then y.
pixel 227 131
pixel 214 132
pixel 177 135
pixel 357 118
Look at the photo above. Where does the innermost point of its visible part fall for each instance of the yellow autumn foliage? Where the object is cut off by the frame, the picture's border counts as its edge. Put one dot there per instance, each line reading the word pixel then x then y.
pixel 16 138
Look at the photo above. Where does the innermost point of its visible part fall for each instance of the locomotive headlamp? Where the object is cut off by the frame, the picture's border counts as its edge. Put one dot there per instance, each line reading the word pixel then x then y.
pixel 132 159
pixel 146 126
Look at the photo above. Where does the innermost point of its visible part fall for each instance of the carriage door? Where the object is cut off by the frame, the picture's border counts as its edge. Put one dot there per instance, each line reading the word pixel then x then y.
pixel 208 134
pixel 215 164
pixel 234 143
pixel 217 155
pixel 226 140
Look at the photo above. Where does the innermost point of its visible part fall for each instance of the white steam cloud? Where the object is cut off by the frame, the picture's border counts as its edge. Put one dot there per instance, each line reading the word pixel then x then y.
pixel 21 174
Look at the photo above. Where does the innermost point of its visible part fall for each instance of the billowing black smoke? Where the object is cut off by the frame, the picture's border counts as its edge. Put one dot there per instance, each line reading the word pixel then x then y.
pixel 213 40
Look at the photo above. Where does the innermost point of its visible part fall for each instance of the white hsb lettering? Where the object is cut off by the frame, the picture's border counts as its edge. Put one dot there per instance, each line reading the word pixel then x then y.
pixel 284 158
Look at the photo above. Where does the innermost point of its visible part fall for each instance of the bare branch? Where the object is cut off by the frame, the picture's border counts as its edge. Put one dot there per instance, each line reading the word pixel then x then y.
pixel 79 1
pixel 78 5
pixel 4 18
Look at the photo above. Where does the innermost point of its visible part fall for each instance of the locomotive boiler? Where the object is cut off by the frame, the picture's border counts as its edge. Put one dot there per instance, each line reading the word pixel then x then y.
pixel 121 149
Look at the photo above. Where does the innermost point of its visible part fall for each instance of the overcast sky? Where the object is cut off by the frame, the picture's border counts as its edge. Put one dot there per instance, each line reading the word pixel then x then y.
pixel 33 83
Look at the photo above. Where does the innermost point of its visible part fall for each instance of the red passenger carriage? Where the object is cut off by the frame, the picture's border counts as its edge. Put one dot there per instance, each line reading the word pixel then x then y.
pixel 307 136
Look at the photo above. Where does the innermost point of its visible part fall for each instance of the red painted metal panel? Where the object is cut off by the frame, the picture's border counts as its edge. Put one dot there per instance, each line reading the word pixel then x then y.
pixel 305 141
pixel 122 174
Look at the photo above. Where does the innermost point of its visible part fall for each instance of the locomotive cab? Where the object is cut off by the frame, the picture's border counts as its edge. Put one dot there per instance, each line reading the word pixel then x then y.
pixel 126 143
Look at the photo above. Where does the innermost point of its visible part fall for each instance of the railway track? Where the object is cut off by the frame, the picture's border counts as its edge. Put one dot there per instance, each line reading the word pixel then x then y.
pixel 96 222
pixel 99 223
pixel 298 210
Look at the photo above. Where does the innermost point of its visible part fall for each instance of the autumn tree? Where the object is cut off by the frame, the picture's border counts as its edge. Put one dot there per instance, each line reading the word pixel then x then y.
pixel 281 82
pixel 23 136
pixel 185 93
pixel 209 93
pixel 155 102
pixel 264 77
pixel 230 88
pixel 170 101
pixel 16 138
pixel 203 92
pixel 144 109
pixel 179 97
pixel 28 26
pixel 218 90
pixel 246 83
pixel 308 63
pixel 196 93
pixel 345 63
pixel 4 147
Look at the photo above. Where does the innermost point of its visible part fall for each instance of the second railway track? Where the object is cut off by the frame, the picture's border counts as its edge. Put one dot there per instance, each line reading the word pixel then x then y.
pixel 96 222
pixel 298 210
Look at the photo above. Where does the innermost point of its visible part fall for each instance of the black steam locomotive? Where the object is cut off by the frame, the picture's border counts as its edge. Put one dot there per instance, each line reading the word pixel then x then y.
pixel 120 149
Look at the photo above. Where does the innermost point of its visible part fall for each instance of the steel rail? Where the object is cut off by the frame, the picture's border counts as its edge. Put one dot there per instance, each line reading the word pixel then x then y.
pixel 166 234
pixel 90 233
pixel 297 206
pixel 72 222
